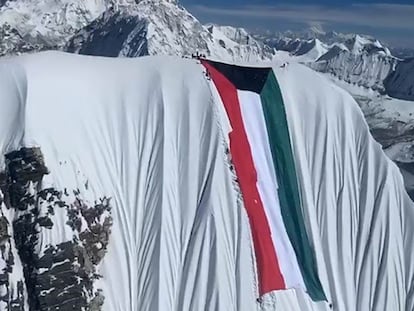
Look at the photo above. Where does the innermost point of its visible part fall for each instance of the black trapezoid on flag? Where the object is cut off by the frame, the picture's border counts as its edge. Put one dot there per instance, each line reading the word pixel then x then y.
pixel 244 78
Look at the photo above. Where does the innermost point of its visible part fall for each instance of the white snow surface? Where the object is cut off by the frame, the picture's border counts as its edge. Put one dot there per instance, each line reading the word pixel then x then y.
pixel 53 20
pixel 356 59
pixel 158 27
pixel 367 68
pixel 151 133
pixel 125 28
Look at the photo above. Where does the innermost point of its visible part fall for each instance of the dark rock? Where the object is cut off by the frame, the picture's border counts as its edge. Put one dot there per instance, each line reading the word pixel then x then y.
pixel 62 276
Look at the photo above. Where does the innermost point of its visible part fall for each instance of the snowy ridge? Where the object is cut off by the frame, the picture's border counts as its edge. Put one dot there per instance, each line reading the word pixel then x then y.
pixel 118 28
pixel 357 66
pixel 356 59
pixel 163 28
pixel 150 134
pixel 103 36
pixel 46 23
pixel 306 50
pixel 359 60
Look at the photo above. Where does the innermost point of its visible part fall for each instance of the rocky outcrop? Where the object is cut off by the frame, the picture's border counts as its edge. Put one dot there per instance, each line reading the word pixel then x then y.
pixel 160 27
pixel 127 28
pixel 61 276
pixel 114 34
pixel 400 82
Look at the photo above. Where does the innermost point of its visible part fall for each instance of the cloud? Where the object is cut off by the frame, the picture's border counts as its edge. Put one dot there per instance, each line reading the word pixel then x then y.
pixel 386 16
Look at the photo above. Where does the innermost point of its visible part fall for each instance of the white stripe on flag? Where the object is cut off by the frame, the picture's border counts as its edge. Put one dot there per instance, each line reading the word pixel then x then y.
pixel 255 126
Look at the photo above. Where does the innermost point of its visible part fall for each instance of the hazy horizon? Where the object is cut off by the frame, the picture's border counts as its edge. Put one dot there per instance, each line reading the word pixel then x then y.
pixel 390 23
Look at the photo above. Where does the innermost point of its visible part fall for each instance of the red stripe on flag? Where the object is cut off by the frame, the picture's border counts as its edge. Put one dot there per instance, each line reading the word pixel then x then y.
pixel 270 277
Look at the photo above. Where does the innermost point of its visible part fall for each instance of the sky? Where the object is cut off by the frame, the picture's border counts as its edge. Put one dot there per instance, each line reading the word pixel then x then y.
pixel 391 21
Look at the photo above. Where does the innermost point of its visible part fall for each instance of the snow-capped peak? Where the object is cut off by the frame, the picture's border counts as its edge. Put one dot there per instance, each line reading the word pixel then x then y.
pixel 41 24
pixel 311 50
pixel 50 23
pixel 363 44
pixel 121 28
pixel 154 28
pixel 356 59
pixel 239 35
pixel 317 29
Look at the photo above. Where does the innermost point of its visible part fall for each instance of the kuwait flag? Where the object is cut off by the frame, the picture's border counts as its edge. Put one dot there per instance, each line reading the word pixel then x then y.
pixel 263 159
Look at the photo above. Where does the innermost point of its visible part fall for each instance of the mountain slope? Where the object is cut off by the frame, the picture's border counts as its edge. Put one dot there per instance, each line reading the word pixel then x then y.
pixel 363 61
pixel 112 34
pixel 356 59
pixel 367 69
pixel 305 50
pixel 45 24
pixel 161 28
pixel 400 82
pixel 117 28
pixel 135 196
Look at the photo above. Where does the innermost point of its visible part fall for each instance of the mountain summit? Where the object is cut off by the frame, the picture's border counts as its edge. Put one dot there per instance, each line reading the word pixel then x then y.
pixel 161 28
pixel 353 58
pixel 117 28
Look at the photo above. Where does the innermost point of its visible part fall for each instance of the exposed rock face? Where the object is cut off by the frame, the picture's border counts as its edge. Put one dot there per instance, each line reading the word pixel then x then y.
pixel 56 277
pixel 45 24
pixel 367 69
pixel 12 42
pixel 400 82
pixel 114 34
pixel 159 27
pixel 356 59
pixel 126 28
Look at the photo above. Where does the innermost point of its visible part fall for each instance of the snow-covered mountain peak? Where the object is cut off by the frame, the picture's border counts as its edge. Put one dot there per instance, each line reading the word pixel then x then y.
pixel 127 28
pixel 237 34
pixel 358 44
pixel 317 30
pixel 318 48
pixel 356 59
pixel 52 18
pixel 32 25
pixel 161 27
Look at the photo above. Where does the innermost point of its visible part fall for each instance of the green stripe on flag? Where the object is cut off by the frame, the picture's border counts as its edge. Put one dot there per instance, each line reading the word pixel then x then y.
pixel 288 191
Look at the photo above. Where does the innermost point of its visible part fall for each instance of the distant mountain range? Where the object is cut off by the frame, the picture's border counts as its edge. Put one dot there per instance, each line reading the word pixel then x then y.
pixel 356 59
